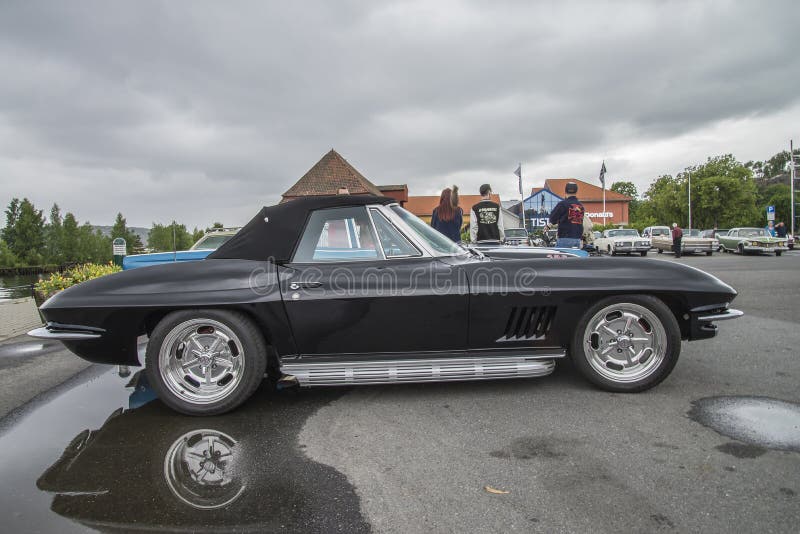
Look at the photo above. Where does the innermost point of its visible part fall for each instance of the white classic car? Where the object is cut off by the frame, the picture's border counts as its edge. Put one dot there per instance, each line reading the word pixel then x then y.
pixel 622 241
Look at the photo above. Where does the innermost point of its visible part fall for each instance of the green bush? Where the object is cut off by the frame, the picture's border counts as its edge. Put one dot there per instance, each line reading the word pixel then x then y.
pixel 7 258
pixel 80 273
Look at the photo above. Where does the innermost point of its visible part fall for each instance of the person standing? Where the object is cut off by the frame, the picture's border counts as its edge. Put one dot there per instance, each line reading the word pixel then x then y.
pixel 677 239
pixel 780 230
pixel 568 215
pixel 485 219
pixel 447 217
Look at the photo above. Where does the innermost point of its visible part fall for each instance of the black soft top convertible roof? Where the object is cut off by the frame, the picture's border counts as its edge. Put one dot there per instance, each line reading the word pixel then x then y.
pixel 273 233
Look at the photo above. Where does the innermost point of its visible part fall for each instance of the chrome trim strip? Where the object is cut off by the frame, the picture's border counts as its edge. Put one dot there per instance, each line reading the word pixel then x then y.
pixel 415 371
pixel 64 335
pixel 723 316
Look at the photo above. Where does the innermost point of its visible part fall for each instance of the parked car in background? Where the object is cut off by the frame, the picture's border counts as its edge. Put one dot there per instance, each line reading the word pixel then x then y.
pixel 622 241
pixel 202 248
pixel 753 240
pixel 299 297
pixel 516 237
pixel 693 241
pixel 716 232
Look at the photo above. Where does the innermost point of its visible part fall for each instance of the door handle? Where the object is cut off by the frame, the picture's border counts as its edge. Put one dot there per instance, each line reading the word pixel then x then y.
pixel 294 286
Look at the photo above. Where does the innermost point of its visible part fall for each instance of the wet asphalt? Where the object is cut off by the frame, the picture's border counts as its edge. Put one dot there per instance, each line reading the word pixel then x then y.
pixel 714 448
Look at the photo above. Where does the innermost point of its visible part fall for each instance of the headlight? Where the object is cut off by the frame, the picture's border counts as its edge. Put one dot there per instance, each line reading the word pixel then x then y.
pixel 715 243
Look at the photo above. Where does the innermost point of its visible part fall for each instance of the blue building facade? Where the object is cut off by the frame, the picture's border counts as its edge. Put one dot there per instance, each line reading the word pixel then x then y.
pixel 538 207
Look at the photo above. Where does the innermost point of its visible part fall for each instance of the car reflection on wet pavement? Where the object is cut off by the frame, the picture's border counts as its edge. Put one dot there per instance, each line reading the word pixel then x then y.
pixel 147 468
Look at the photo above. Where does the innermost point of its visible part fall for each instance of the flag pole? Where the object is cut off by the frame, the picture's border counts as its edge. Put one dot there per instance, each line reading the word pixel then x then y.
pixel 518 174
pixel 603 183
pixel 521 198
pixel 604 204
pixel 792 174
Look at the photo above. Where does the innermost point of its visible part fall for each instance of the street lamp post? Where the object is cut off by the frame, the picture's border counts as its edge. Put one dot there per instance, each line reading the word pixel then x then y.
pixel 690 200
pixel 791 181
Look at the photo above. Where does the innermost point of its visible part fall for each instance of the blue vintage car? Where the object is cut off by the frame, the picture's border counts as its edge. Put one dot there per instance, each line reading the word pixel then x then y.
pixel 204 246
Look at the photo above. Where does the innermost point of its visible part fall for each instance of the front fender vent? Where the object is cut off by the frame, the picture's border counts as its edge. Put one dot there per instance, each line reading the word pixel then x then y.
pixel 528 323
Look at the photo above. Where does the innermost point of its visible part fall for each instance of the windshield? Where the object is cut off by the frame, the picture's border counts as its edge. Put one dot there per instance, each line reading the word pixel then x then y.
pixel 211 242
pixel 693 233
pixel 436 241
pixel 753 232
pixel 659 231
pixel 516 232
pixel 623 233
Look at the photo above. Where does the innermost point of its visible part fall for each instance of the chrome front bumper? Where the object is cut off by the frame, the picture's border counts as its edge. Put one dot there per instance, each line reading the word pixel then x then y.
pixel 67 332
pixel 751 248
pixel 642 248
pixel 730 313
pixel 702 319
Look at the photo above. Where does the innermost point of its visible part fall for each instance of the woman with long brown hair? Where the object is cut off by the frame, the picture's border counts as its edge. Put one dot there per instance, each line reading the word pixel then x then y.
pixel 447 217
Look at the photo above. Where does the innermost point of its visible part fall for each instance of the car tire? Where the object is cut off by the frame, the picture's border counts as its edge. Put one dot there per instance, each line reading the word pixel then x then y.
pixel 709 252
pixel 778 252
pixel 654 355
pixel 660 251
pixel 230 357
pixel 643 253
pixel 741 249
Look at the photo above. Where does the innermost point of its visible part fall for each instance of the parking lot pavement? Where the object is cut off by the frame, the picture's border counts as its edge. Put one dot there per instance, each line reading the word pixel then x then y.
pixel 98 453
pixel 575 459
pixel 29 367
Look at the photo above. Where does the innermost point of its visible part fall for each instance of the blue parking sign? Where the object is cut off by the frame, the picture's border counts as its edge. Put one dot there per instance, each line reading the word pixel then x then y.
pixel 770 213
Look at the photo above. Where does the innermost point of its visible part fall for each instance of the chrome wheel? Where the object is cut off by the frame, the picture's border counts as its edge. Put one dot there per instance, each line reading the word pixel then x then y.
pixel 625 342
pixel 199 469
pixel 201 361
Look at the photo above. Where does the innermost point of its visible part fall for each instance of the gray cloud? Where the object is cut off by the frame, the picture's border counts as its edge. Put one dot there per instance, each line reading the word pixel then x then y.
pixel 204 111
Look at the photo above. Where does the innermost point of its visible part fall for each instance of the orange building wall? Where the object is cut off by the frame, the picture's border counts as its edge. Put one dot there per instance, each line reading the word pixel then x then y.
pixel 619 211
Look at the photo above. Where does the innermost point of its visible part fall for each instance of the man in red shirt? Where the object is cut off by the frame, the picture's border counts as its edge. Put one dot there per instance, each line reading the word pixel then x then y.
pixel 677 238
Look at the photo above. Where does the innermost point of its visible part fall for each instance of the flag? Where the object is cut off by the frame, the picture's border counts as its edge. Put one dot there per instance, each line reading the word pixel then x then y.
pixel 603 174
pixel 518 172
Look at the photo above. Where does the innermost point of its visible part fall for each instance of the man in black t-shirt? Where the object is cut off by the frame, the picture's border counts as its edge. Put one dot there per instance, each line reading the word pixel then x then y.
pixel 485 218
pixel 568 215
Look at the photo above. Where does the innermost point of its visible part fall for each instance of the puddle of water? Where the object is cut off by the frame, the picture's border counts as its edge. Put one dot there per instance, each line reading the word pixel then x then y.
pixel 104 454
pixel 761 421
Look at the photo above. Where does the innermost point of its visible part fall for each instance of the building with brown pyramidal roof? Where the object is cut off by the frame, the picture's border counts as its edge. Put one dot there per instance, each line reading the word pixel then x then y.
pixel 333 175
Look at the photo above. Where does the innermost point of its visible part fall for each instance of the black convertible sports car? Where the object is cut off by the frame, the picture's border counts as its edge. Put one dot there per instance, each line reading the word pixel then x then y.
pixel 356 290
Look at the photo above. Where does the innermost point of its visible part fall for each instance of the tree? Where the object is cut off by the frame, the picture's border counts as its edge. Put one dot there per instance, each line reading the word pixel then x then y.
pixel 663 200
pixel 723 195
pixel 629 189
pixel 7 258
pixel 138 246
pixel 12 214
pixel 54 237
pixel 197 234
pixel 27 233
pixel 625 188
pixel 778 195
pixel 165 238
pixel 92 245
pixel 70 239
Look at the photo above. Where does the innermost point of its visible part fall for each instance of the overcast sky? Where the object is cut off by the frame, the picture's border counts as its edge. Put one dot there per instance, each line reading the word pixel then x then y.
pixel 203 112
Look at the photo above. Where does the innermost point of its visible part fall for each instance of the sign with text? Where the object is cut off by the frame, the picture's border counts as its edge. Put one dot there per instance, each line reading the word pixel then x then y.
pixel 119 247
pixel 770 213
